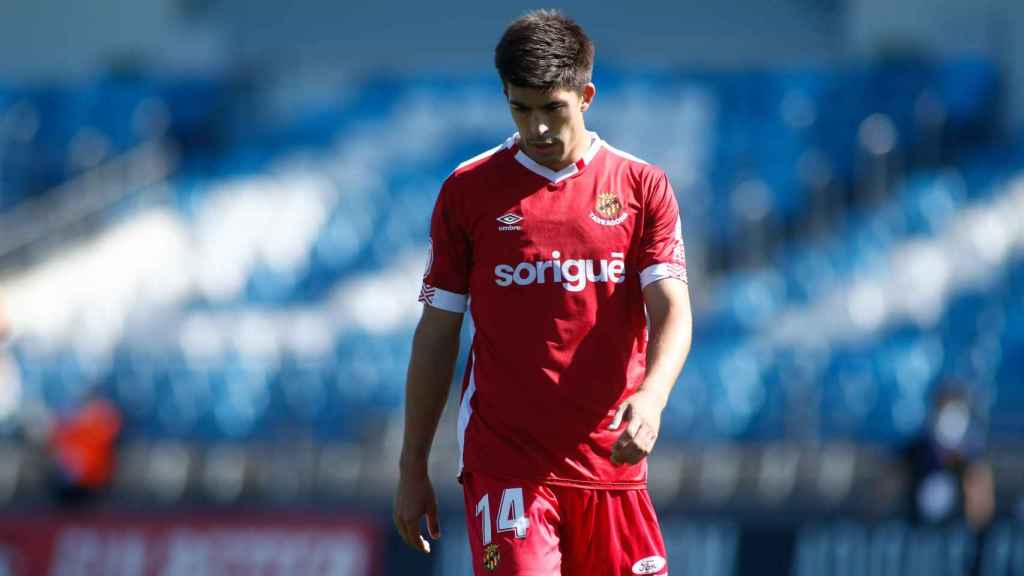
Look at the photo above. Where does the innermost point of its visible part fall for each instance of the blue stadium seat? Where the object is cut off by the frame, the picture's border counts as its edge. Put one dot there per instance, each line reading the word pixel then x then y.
pixel 184 401
pixel 240 399
pixel 1006 423
pixel 756 126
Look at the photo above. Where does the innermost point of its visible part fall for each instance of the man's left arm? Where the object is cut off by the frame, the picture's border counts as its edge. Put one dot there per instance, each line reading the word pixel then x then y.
pixel 670 330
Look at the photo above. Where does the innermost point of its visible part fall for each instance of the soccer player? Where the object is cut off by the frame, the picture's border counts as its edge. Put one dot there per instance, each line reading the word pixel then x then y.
pixel 558 243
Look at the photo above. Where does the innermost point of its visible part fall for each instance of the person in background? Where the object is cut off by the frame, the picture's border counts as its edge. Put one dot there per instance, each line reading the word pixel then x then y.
pixel 82 449
pixel 950 479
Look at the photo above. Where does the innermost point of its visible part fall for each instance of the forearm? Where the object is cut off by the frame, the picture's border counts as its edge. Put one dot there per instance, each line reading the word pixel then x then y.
pixel 427 383
pixel 669 337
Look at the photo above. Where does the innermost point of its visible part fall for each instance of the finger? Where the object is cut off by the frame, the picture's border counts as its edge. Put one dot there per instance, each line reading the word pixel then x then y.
pixel 433 526
pixel 624 439
pixel 649 441
pixel 644 441
pixel 403 530
pixel 618 447
pixel 631 454
pixel 621 450
pixel 411 535
pixel 397 521
pixel 416 531
pixel 400 526
pixel 634 427
pixel 645 438
pixel 620 456
pixel 418 542
pixel 619 415
pixel 632 451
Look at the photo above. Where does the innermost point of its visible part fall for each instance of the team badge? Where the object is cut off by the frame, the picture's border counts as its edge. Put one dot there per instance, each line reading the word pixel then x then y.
pixel 608 210
pixel 650 565
pixel 491 557
pixel 608 205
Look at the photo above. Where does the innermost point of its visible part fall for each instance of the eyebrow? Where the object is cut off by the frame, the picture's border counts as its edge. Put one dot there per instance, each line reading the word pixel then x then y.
pixel 547 104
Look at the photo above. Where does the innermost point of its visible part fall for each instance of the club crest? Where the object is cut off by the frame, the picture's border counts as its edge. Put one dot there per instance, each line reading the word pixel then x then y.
pixel 492 557
pixel 608 210
pixel 608 205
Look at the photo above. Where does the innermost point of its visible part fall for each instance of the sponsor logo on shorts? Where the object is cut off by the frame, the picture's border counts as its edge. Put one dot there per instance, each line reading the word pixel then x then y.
pixel 492 557
pixel 649 565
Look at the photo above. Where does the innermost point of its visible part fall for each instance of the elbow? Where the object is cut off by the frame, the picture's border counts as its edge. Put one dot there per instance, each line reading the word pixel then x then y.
pixel 675 315
pixel 437 333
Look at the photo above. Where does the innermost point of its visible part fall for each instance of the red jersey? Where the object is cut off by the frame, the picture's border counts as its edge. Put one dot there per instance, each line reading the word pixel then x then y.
pixel 552 266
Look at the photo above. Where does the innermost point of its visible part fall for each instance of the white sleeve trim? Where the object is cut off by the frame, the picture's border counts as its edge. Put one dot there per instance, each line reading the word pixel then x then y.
pixel 466 409
pixel 443 299
pixel 656 272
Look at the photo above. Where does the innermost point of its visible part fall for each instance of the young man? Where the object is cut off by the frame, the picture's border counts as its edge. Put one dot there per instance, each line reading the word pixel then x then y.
pixel 560 242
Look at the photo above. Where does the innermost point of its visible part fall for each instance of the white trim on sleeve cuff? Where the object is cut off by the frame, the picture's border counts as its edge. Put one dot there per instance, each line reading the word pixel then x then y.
pixel 443 299
pixel 660 271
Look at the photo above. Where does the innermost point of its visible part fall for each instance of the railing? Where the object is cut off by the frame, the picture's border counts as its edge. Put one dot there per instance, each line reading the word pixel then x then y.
pixel 70 206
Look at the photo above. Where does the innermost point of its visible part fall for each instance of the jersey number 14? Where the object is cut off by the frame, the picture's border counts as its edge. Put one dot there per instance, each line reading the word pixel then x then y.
pixel 511 514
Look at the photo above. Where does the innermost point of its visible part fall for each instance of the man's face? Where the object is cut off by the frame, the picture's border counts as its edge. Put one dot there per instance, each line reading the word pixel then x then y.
pixel 550 124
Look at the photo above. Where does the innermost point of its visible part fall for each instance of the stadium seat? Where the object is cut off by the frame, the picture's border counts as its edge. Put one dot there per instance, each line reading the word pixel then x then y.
pixel 732 142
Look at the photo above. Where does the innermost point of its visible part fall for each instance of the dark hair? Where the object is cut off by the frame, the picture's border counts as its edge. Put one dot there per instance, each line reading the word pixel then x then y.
pixel 545 50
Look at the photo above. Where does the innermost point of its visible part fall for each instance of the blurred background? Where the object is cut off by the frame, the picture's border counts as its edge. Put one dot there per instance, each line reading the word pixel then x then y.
pixel 213 221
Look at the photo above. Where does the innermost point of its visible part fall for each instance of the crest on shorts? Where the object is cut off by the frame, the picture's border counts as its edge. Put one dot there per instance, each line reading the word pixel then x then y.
pixel 492 557
pixel 608 210
pixel 649 565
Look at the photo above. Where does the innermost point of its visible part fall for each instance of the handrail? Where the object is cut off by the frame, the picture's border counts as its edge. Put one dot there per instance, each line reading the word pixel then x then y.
pixel 85 195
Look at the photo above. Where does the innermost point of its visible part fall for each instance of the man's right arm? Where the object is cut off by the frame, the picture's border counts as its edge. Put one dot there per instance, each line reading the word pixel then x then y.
pixel 434 349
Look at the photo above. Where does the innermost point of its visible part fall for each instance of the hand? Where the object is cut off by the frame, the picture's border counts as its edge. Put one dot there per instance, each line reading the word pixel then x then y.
pixel 643 412
pixel 415 498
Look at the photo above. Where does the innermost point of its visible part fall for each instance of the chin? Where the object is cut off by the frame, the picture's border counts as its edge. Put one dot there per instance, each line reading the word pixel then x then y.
pixel 552 156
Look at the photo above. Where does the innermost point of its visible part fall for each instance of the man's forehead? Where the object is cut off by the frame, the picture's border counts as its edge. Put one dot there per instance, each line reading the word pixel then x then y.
pixel 537 96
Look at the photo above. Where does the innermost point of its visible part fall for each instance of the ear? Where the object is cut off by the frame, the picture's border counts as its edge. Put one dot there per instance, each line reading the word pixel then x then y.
pixel 587 96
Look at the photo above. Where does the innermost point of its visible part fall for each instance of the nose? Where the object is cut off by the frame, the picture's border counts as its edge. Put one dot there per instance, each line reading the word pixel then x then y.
pixel 539 126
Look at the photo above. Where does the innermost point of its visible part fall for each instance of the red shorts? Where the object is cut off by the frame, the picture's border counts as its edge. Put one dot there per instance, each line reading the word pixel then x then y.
pixel 522 529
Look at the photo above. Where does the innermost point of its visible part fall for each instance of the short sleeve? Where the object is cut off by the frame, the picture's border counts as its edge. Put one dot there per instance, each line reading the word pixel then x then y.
pixel 446 279
pixel 662 251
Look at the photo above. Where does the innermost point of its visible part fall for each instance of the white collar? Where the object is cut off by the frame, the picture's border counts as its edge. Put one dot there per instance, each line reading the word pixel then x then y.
pixel 568 171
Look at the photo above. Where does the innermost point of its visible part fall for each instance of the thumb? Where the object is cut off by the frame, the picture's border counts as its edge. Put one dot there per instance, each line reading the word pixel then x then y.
pixel 619 415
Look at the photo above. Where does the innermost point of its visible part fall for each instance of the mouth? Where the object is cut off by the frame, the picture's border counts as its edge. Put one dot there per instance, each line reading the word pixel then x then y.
pixel 544 146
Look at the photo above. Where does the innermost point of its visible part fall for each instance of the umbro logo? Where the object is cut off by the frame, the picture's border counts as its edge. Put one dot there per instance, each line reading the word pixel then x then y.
pixel 509 221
